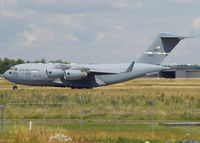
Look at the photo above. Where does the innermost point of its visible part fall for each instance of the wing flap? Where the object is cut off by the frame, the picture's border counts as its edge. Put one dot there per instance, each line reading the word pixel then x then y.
pixel 100 71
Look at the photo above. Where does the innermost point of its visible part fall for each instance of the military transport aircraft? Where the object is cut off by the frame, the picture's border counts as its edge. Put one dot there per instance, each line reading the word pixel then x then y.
pixel 94 75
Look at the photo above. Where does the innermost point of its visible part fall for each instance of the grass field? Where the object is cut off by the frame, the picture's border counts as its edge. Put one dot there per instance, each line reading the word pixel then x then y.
pixel 173 100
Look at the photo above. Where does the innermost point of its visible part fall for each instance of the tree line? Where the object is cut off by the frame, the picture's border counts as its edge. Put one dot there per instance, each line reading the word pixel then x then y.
pixel 6 63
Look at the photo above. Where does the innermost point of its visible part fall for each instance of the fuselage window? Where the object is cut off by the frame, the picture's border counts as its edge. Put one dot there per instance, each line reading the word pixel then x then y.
pixel 10 72
pixel 34 70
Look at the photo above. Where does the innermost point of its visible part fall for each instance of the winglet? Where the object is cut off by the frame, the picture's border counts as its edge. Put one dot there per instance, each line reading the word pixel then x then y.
pixel 130 68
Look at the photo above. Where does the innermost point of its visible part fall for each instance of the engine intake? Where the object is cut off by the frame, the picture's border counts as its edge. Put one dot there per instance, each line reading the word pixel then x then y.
pixel 54 73
pixel 74 74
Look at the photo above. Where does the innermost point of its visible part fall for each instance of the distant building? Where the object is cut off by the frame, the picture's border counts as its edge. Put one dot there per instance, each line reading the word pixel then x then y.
pixel 178 72
pixel 43 60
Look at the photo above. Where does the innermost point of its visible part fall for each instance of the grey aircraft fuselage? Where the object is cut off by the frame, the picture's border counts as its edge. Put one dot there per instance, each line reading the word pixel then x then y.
pixel 94 75
pixel 35 75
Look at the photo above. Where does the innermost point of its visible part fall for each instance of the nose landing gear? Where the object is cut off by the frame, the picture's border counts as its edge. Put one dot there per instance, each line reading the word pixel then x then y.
pixel 14 87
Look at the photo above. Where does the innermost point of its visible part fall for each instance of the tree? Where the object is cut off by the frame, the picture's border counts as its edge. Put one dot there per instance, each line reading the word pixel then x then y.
pixel 37 61
pixel 8 63
pixel 59 61
pixel 20 61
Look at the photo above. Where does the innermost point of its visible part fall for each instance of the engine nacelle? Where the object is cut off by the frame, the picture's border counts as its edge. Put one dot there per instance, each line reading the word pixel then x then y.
pixel 74 74
pixel 54 73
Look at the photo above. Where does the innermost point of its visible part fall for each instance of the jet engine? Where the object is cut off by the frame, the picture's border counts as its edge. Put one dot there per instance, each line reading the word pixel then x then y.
pixel 74 74
pixel 54 73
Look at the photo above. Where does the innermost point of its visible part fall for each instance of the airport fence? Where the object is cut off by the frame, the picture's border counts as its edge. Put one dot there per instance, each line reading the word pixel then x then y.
pixel 4 107
pixel 116 124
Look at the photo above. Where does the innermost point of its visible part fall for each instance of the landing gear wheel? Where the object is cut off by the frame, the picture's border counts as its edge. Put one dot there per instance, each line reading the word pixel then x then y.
pixel 15 87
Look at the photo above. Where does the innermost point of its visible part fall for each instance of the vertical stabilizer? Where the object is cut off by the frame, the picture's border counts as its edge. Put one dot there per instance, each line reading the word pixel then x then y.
pixel 160 49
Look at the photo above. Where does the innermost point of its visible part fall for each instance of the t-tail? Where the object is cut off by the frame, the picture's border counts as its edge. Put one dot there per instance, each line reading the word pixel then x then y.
pixel 160 49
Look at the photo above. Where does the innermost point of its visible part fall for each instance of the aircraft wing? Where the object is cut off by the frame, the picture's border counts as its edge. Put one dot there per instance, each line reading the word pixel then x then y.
pixel 109 71
pixel 86 69
pixel 63 66
pixel 95 69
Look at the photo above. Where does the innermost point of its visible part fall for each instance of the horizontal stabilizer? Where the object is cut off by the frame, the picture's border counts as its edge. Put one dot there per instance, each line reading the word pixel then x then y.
pixel 164 35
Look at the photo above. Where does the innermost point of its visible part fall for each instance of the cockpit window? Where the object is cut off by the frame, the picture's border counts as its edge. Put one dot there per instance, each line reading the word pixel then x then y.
pixel 12 68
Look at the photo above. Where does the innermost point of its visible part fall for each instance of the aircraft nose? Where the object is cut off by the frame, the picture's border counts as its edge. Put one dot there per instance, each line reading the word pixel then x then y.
pixel 5 75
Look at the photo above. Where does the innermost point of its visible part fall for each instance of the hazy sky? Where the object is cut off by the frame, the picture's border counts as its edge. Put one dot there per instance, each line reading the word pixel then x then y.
pixel 96 31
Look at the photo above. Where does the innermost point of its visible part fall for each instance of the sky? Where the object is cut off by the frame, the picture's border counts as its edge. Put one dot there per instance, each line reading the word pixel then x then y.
pixel 97 31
